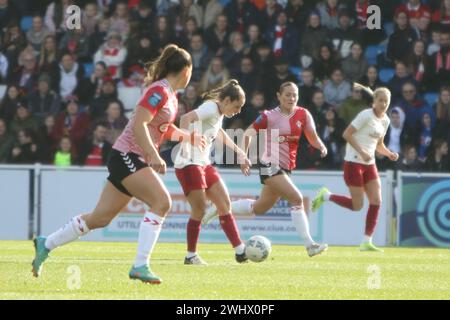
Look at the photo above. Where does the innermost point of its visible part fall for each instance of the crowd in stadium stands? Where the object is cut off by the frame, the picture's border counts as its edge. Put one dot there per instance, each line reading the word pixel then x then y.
pixel 65 94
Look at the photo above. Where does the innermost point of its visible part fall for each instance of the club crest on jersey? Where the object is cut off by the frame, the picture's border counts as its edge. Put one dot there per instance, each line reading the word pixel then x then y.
pixel 163 127
pixel 298 124
pixel 155 99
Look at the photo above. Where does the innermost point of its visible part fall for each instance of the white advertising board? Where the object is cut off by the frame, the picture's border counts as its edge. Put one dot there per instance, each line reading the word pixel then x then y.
pixel 68 193
pixel 14 204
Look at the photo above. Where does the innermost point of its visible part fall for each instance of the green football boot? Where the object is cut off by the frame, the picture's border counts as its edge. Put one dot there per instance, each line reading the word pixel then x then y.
pixel 41 254
pixel 144 274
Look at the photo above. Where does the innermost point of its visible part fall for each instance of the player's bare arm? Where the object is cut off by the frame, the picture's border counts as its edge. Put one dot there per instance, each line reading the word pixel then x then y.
pixel 383 150
pixel 313 137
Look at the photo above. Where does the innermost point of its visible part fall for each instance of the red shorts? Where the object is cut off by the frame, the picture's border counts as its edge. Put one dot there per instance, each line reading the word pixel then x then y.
pixel 194 177
pixel 357 174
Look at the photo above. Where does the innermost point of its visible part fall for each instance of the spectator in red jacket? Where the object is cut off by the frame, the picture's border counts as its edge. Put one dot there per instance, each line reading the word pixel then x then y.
pixel 415 10
pixel 73 123
pixel 442 15
pixel 95 150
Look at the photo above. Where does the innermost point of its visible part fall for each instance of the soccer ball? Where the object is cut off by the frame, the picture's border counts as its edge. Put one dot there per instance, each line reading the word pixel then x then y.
pixel 258 248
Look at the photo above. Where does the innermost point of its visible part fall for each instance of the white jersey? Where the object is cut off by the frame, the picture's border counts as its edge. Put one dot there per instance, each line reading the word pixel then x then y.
pixel 369 130
pixel 209 124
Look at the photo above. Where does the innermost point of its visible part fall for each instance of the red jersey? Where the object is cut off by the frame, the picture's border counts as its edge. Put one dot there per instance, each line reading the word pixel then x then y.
pixel 283 133
pixel 162 103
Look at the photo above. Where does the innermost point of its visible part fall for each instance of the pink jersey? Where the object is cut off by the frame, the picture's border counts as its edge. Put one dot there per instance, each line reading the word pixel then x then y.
pixel 284 130
pixel 161 101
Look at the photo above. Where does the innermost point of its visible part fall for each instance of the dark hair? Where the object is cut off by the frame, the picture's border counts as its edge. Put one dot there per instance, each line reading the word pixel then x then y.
pixel 308 69
pixel 119 102
pixel 27 132
pixel 100 123
pixel 438 143
pixel 172 60
pixel 230 89
pixel 103 64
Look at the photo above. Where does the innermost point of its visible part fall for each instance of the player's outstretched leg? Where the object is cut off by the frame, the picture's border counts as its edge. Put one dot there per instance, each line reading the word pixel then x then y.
pixel 109 205
pixel 71 231
pixel 41 254
pixel 218 194
pixel 282 185
pixel 241 207
pixel 322 196
pixel 325 195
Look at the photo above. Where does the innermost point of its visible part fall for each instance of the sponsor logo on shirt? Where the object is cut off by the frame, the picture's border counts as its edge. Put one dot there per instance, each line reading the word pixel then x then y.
pixel 155 99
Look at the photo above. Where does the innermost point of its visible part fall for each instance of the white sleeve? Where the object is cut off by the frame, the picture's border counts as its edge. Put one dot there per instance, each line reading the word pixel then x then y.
pixel 206 110
pixel 361 119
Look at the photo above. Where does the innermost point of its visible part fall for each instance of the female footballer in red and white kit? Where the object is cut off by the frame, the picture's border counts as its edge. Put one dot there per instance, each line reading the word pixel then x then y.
pixel 364 136
pixel 134 165
pixel 284 126
pixel 199 179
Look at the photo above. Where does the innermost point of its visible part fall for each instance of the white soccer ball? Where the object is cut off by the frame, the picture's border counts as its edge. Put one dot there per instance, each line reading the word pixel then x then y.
pixel 258 248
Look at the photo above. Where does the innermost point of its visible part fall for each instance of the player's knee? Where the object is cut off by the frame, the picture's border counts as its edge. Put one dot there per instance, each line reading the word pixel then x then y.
pixel 224 208
pixel 162 207
pixel 199 208
pixel 296 201
pixel 375 202
pixel 357 205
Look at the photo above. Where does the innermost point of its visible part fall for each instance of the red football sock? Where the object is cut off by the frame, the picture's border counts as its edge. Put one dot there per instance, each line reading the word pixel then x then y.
pixel 371 219
pixel 230 228
pixel 193 232
pixel 342 201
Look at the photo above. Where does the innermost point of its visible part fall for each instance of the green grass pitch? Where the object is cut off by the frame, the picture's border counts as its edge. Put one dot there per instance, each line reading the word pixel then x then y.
pixel 340 273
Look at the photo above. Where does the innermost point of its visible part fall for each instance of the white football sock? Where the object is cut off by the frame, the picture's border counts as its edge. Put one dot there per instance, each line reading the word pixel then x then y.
pixel 239 249
pixel 367 239
pixel 71 231
pixel 242 207
pixel 300 221
pixel 148 235
pixel 191 254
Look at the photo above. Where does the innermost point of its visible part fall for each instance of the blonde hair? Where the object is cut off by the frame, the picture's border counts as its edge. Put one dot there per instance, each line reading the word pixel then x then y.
pixel 374 94
pixel 172 60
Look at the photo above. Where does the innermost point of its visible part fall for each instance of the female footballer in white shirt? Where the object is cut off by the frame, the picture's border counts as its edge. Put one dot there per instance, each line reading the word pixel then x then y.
pixel 199 179
pixel 364 136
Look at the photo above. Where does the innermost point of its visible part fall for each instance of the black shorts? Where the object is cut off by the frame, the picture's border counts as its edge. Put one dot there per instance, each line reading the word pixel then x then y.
pixel 121 165
pixel 267 170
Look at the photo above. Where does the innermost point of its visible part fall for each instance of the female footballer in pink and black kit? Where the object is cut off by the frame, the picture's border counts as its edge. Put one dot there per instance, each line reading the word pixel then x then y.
pixel 134 165
pixel 284 126
pixel 364 136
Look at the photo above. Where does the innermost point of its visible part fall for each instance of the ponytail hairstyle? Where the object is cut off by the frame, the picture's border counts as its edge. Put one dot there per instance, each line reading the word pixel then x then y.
pixel 374 94
pixel 172 60
pixel 230 89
